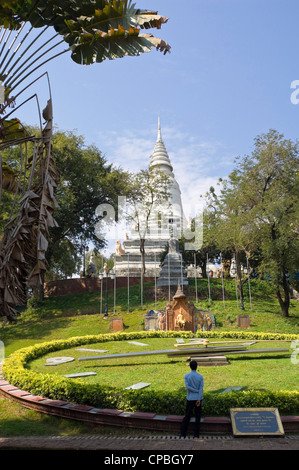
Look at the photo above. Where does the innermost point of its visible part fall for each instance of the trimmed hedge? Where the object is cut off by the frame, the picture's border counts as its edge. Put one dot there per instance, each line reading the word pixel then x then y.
pixel 101 396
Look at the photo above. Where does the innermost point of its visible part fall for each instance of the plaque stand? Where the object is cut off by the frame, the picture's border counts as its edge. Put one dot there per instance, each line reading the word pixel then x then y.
pixel 256 422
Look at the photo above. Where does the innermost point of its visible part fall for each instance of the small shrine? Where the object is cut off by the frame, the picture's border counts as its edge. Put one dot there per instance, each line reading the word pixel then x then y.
pixel 180 315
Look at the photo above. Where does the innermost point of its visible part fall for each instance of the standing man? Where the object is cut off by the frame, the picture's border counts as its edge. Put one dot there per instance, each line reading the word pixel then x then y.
pixel 194 384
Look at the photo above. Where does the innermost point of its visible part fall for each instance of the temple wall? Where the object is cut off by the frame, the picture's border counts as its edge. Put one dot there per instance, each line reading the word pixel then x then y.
pixel 84 285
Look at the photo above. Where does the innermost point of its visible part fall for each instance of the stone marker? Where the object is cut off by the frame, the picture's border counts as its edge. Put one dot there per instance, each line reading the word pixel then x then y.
pixel 79 374
pixel 54 361
pixel 243 321
pixel 138 386
pixel 93 350
pixel 137 343
pixel 116 324
pixel 151 320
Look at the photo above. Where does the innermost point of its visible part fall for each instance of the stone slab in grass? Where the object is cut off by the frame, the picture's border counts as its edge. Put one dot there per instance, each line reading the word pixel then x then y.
pixel 93 350
pixel 138 386
pixel 230 389
pixel 137 343
pixel 79 374
pixel 54 361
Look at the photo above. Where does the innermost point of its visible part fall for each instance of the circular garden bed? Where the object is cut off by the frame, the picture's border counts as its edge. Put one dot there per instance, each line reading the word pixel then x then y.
pixel 163 396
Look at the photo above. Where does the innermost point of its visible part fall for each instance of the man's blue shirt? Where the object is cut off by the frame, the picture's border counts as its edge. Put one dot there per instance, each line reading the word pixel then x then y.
pixel 194 384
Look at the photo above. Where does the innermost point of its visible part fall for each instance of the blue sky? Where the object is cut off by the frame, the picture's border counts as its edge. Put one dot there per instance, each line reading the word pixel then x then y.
pixel 226 80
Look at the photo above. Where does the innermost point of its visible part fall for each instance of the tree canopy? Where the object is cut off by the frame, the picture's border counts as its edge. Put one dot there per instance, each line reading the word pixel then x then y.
pixel 92 31
pixel 86 180
pixel 257 211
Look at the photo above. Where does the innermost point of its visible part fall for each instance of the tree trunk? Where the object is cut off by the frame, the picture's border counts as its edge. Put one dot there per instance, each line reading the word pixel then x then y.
pixel 203 266
pixel 142 251
pixel 39 292
pixel 284 303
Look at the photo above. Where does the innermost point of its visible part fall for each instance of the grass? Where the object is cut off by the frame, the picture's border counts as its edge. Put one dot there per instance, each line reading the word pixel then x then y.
pixel 79 315
pixel 166 373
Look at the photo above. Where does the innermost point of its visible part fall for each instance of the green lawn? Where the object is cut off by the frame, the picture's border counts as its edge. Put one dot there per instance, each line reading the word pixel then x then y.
pixel 78 315
pixel 167 373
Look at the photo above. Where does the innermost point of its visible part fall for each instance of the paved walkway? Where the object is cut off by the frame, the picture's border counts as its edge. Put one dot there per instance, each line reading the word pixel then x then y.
pixel 156 444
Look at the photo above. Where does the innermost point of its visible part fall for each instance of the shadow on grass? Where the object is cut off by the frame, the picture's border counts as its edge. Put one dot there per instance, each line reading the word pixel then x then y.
pixel 221 390
pixel 132 364
pixel 259 357
pixel 29 329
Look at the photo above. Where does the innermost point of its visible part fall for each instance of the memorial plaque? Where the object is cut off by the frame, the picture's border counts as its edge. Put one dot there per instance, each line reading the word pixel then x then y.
pixel 116 324
pixel 243 321
pixel 256 422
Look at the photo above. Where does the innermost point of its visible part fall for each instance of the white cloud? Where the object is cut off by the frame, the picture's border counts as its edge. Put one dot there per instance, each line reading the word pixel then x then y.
pixel 128 151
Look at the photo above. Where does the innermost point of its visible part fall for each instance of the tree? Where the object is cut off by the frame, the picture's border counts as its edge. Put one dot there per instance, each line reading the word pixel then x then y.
pixel 257 211
pixel 93 31
pixel 149 195
pixel 229 226
pixel 269 179
pixel 207 248
pixel 86 181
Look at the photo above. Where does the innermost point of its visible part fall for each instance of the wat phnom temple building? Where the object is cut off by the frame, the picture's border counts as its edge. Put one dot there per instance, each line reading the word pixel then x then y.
pixel 171 226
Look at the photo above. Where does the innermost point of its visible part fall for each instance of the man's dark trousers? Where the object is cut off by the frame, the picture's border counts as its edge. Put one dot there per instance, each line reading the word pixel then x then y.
pixel 189 408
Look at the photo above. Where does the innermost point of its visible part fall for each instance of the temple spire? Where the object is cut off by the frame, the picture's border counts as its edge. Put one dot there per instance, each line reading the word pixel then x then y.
pixel 159 157
pixel 159 129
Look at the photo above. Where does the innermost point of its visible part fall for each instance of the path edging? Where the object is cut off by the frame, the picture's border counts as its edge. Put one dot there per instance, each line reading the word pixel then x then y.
pixel 110 417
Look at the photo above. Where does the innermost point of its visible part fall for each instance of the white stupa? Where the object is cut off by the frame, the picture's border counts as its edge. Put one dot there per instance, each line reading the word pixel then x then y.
pixel 172 210
pixel 128 258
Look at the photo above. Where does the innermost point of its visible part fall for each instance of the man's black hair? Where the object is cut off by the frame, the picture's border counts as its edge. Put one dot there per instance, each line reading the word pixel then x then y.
pixel 193 365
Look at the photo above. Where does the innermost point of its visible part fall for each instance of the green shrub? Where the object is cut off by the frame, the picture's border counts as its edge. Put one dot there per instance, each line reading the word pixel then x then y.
pixel 100 396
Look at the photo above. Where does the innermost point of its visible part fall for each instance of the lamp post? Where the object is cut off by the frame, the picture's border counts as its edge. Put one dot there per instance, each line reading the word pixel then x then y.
pixel 101 278
pixel 182 285
pixel 114 287
pixel 239 275
pixel 246 271
pixel 168 277
pixel 233 273
pixel 208 280
pixel 112 276
pixel 83 261
pixel 222 280
pixel 195 277
pixel 236 271
pixel 155 283
pixel 83 245
pixel 128 281
pixel 83 250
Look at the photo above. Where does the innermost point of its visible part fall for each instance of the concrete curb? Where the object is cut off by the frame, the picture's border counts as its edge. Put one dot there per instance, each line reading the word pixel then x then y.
pixel 120 418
